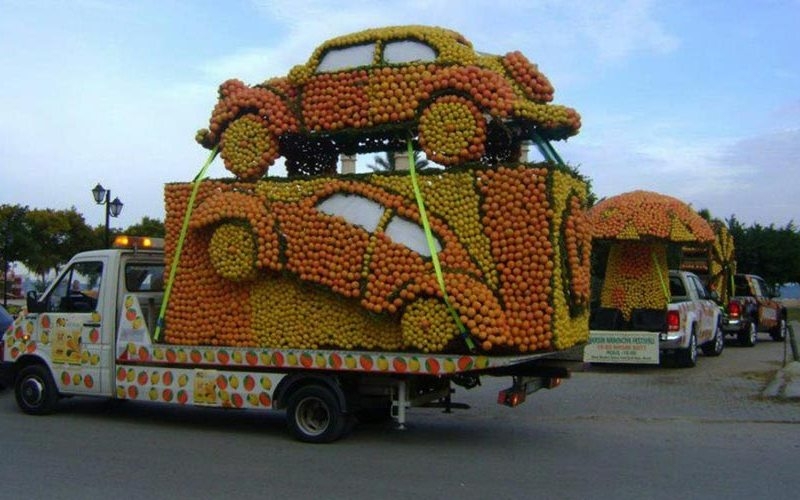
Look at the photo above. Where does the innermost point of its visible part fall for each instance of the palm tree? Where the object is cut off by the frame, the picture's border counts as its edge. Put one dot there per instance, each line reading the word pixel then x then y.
pixel 388 163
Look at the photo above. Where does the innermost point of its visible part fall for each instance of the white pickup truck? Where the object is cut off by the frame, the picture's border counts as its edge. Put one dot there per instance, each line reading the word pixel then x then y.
pixel 691 320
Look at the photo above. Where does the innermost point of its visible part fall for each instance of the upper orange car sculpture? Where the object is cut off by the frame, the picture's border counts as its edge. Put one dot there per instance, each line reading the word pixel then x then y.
pixel 368 91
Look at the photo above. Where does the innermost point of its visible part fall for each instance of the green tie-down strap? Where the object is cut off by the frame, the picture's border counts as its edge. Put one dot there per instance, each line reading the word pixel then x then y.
pixel 660 277
pixel 437 268
pixel 181 239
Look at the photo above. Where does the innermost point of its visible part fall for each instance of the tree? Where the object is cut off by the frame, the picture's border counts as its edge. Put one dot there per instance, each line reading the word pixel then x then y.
pixel 15 240
pixel 771 252
pixel 57 235
pixel 147 227
pixel 388 163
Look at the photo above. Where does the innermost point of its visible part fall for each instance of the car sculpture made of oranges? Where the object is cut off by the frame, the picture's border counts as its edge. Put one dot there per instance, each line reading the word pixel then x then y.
pixel 343 262
pixel 359 241
pixel 372 90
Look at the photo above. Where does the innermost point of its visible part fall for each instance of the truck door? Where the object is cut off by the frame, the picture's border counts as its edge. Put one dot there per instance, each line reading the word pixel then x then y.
pixel 767 308
pixel 72 325
pixel 705 310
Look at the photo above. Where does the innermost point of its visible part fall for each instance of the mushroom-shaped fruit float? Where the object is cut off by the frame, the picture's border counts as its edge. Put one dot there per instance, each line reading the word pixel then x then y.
pixel 640 225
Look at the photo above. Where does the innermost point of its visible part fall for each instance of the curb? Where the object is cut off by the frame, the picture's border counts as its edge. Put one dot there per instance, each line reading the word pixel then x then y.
pixel 786 383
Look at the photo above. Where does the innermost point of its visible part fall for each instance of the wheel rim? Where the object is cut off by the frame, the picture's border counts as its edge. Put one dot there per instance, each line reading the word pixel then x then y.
pixel 719 342
pixel 753 333
pixel 32 391
pixel 693 349
pixel 312 416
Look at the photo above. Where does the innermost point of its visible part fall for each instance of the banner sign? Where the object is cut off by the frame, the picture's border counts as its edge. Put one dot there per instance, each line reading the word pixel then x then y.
pixel 622 347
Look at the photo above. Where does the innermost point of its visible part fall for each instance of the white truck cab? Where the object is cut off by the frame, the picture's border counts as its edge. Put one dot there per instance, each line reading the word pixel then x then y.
pixel 75 321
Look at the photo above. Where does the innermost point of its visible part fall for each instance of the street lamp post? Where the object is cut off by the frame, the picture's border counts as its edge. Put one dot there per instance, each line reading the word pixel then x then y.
pixel 113 208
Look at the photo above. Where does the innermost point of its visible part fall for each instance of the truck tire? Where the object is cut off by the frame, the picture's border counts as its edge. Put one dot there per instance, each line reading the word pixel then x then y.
pixel 715 346
pixel 750 337
pixel 687 358
pixel 35 390
pixel 780 331
pixel 314 415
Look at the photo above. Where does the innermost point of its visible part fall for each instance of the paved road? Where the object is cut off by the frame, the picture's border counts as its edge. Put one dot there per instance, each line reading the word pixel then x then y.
pixel 609 432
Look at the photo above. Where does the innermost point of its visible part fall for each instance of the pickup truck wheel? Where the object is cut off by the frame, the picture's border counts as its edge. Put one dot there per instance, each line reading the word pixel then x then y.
pixel 750 337
pixel 715 346
pixel 780 332
pixel 35 390
pixel 315 416
pixel 687 358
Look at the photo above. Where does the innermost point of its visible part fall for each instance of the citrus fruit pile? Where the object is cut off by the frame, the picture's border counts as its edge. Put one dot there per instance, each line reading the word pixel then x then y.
pixel 263 265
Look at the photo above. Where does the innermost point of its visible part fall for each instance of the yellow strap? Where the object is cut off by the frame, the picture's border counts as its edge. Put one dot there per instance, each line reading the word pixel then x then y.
pixel 181 239
pixel 437 268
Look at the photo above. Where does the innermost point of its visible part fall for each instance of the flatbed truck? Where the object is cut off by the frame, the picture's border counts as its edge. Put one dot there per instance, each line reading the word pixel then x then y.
pixel 91 334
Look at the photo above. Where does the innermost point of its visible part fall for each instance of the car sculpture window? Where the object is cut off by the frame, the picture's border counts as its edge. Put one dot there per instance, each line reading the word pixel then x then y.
pixel 406 51
pixel 411 235
pixel 346 57
pixel 366 213
pixel 355 209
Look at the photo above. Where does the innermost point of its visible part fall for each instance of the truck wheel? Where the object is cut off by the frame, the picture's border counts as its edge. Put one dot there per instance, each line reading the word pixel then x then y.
pixel 35 390
pixel 750 337
pixel 687 358
pixel 780 332
pixel 315 416
pixel 715 346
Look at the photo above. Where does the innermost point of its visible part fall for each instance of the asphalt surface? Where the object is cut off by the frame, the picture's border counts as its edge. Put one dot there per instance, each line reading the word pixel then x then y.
pixel 610 431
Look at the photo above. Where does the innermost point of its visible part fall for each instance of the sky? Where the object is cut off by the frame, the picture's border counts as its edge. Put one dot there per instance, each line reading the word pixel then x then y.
pixel 699 100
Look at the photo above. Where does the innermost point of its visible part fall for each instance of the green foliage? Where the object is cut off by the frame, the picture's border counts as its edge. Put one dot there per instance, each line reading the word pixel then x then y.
pixel 388 163
pixel 45 239
pixel 147 227
pixel 770 252
pixel 15 236
pixel 57 235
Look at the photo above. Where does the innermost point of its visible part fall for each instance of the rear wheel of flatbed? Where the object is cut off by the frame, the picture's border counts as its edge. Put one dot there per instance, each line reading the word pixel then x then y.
pixel 314 415
pixel 35 390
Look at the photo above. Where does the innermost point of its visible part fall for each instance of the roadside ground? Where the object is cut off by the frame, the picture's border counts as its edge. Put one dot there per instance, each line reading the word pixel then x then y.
pixel 786 383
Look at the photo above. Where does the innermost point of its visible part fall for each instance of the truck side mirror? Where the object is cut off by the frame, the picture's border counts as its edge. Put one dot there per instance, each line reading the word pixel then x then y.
pixel 713 295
